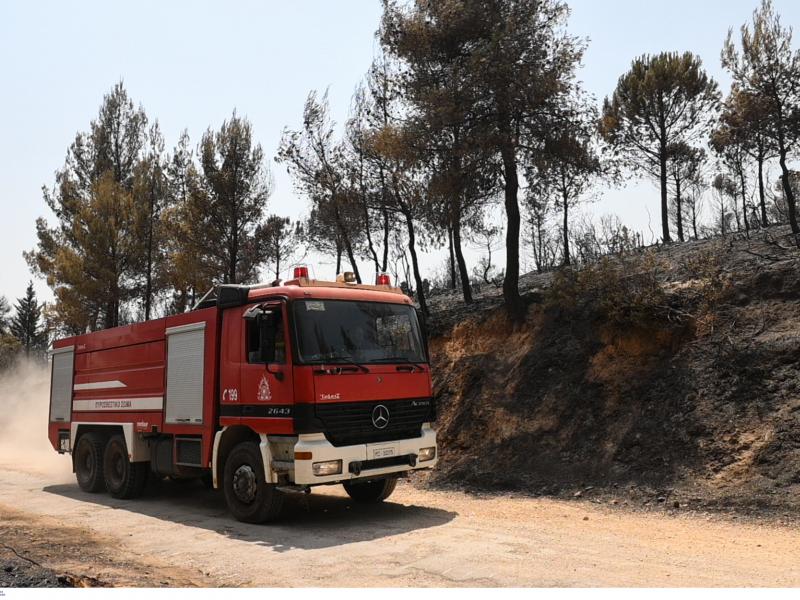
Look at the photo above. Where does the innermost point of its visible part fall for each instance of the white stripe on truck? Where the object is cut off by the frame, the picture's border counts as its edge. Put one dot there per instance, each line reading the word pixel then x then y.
pixel 98 385
pixel 151 403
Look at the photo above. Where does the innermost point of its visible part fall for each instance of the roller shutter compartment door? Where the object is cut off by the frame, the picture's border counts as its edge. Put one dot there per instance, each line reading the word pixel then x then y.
pixel 185 357
pixel 61 385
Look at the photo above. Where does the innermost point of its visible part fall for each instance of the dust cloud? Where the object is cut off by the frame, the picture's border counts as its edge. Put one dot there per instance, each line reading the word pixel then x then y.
pixel 24 413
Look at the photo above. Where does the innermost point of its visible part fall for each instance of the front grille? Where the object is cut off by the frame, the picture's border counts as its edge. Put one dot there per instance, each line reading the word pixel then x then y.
pixel 349 423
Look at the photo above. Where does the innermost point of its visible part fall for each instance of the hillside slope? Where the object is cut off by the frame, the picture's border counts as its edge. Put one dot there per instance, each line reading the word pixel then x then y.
pixel 675 373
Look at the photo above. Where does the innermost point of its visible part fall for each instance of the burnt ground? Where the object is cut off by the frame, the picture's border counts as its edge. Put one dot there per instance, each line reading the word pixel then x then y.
pixel 44 552
pixel 24 548
pixel 22 573
pixel 670 378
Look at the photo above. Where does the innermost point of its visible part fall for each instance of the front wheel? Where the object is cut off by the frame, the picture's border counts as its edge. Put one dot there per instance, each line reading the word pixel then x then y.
pixel 249 496
pixel 373 491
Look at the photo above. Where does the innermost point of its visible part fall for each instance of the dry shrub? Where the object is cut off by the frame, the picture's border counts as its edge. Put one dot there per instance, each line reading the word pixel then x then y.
pixel 707 285
pixel 624 291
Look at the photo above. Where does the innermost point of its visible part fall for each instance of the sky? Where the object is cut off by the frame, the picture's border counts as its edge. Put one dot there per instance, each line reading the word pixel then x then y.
pixel 190 64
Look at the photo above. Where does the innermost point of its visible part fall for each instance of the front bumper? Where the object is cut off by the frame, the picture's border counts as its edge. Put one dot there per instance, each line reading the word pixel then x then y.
pixel 365 456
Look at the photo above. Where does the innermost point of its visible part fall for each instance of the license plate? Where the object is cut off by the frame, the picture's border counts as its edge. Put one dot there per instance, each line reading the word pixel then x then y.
pixel 382 452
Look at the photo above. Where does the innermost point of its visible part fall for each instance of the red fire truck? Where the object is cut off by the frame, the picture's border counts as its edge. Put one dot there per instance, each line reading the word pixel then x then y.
pixel 261 390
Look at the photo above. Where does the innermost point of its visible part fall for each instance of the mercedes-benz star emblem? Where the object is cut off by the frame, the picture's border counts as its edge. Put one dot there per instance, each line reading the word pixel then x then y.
pixel 380 416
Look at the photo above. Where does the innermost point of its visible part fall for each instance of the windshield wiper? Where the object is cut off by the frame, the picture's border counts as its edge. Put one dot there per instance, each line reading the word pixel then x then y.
pixel 400 359
pixel 347 359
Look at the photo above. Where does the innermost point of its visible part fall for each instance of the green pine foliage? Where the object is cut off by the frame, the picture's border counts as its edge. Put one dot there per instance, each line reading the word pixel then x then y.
pixel 27 327
pixel 662 101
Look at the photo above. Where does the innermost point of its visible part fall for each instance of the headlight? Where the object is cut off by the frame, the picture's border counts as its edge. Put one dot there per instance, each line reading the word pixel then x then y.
pixel 426 454
pixel 329 467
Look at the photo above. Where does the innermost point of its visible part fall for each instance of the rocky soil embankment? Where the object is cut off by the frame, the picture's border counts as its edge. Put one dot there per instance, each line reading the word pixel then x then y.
pixel 666 378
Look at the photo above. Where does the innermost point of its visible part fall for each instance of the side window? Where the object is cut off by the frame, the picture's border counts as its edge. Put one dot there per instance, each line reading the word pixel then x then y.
pixel 254 339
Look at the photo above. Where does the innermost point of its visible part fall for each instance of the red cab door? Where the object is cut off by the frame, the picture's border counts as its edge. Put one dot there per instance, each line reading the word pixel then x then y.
pixel 267 391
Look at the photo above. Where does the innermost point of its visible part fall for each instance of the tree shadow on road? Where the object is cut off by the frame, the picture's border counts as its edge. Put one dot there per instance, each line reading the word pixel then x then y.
pixel 308 521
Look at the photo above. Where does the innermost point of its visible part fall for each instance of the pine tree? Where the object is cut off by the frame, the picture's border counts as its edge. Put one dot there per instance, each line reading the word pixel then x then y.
pixel 746 122
pixel 733 157
pixel 661 101
pixel 285 243
pixel 685 163
pixel 27 327
pixel 151 196
pixel 91 257
pixel 517 65
pixel 230 202
pixel 5 309
pixel 568 164
pixel 317 166
pixel 767 68
pixel 459 169
pixel 187 272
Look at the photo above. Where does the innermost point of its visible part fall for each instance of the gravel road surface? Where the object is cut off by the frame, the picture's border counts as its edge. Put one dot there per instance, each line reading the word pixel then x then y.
pixel 180 534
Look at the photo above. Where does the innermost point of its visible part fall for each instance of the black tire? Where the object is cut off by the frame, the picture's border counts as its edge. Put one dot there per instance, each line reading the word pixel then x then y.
pixel 124 479
pixel 249 497
pixel 87 460
pixel 370 492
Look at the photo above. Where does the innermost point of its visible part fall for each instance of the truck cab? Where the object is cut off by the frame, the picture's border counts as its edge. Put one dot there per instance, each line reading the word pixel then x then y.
pixel 262 390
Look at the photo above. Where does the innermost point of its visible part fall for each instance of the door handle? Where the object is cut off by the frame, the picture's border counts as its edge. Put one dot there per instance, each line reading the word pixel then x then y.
pixel 278 373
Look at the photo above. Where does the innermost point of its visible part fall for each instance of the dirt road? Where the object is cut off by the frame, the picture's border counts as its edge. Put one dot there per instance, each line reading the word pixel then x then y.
pixel 181 534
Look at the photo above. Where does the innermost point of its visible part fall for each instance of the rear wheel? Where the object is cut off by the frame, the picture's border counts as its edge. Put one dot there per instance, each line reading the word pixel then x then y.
pixel 124 479
pixel 248 495
pixel 87 460
pixel 373 491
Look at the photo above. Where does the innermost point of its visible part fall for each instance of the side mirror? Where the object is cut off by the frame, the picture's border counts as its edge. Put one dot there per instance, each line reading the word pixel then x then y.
pixel 266 330
pixel 253 313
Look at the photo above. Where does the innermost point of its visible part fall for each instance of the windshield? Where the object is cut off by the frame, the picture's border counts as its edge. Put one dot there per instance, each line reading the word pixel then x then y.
pixel 333 331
